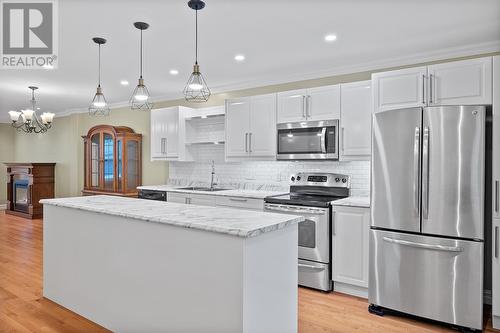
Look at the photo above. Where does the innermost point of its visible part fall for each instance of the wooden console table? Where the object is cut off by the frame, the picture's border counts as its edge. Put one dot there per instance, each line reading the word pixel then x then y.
pixel 27 184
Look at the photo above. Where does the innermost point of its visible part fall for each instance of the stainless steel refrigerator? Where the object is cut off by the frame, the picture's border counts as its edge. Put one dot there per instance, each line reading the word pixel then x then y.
pixel 427 213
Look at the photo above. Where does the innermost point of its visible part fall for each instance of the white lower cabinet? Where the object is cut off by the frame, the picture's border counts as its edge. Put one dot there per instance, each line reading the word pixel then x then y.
pixel 243 203
pixel 191 199
pixel 350 231
pixel 215 200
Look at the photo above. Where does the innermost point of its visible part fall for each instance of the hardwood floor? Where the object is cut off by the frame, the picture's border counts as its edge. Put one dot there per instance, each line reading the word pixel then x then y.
pixel 23 309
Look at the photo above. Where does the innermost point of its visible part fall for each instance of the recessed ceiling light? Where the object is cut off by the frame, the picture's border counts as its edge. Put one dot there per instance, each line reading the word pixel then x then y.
pixel 239 57
pixel 330 38
pixel 124 82
pixel 174 72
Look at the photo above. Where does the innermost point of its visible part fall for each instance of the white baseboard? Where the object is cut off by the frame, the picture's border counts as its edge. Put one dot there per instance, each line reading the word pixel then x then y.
pixel 3 206
pixel 350 289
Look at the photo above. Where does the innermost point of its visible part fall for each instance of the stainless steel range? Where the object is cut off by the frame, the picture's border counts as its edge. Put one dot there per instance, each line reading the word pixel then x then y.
pixel 311 195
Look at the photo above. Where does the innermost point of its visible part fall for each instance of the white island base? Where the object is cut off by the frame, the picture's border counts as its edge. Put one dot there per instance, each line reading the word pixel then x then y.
pixel 130 275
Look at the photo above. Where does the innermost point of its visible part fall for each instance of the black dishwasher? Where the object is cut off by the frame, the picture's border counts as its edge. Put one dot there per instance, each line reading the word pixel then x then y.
pixel 153 195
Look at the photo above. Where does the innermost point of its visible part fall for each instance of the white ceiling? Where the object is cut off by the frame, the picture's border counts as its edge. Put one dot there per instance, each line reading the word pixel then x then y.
pixel 282 40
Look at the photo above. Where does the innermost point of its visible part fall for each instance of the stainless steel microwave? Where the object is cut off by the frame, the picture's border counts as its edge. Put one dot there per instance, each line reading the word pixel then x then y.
pixel 308 140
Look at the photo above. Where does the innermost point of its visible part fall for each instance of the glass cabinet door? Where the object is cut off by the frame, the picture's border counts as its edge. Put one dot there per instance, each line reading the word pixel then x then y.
pixel 119 164
pixel 109 162
pixel 132 164
pixel 95 150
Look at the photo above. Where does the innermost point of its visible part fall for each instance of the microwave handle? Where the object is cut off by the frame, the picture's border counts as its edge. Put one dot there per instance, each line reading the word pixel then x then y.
pixel 323 140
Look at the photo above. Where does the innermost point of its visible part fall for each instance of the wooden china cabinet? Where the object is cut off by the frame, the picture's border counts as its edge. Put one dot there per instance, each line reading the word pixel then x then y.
pixel 113 161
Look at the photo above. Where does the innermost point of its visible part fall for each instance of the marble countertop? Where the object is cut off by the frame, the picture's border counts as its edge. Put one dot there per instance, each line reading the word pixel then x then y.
pixel 252 194
pixel 353 202
pixel 237 222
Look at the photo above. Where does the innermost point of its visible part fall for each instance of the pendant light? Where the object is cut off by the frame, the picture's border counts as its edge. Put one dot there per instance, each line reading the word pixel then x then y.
pixel 141 100
pixel 196 89
pixel 99 106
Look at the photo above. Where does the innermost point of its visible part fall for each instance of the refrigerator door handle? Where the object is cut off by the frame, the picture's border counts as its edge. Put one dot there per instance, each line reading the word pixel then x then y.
pixel 496 196
pixel 416 171
pixel 424 246
pixel 425 174
pixel 496 242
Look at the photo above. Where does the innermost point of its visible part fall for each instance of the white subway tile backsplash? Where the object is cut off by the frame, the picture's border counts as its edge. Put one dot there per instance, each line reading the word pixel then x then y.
pixel 269 175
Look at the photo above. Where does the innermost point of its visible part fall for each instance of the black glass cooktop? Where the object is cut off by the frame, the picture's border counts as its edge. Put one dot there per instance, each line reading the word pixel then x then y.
pixel 303 200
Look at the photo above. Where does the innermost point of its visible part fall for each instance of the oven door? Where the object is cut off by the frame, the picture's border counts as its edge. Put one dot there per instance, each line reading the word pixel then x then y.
pixel 308 140
pixel 314 232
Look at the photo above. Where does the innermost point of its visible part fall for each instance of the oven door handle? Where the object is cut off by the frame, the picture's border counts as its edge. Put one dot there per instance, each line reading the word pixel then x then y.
pixel 296 210
pixel 323 140
pixel 311 267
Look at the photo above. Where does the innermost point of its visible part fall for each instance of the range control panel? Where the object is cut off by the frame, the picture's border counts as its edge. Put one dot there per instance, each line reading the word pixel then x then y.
pixel 319 179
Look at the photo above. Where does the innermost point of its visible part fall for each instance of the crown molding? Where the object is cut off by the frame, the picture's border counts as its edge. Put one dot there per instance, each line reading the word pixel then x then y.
pixel 371 66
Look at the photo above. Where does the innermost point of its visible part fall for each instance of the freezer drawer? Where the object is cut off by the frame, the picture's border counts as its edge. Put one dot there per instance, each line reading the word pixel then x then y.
pixel 430 277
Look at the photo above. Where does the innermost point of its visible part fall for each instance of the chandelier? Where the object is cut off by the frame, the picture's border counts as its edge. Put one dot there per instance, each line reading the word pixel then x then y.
pixel 28 121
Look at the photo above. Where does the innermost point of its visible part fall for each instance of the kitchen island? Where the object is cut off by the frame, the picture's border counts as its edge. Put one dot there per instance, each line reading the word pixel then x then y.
pixel 135 265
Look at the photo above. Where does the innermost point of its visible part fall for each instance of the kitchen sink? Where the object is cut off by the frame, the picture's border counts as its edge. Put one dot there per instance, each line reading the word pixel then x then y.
pixel 202 189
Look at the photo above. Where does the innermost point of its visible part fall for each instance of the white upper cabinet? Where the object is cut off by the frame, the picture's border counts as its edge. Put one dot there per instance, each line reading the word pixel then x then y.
pixel 350 231
pixel 251 127
pixel 404 88
pixel 355 119
pixel 321 103
pixel 461 82
pixel 262 136
pixel 466 82
pixel 292 106
pixel 237 127
pixel 167 133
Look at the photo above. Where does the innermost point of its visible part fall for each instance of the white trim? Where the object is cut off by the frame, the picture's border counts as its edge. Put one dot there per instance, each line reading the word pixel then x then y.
pixel 3 206
pixel 424 57
pixel 350 289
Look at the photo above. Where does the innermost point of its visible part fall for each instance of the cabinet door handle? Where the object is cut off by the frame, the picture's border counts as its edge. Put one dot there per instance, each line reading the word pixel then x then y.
pixel 343 138
pixel 250 142
pixel 163 144
pixel 308 106
pixel 238 200
pixel 497 204
pixel 246 142
pixel 423 88
pixel 333 223
pixel 304 115
pixel 496 242
pixel 431 87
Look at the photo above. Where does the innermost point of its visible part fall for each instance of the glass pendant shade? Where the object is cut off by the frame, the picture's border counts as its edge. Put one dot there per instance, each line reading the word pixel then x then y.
pixel 99 106
pixel 141 99
pixel 196 89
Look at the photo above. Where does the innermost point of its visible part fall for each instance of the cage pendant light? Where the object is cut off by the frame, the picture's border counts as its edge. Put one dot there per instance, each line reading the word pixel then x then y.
pixel 141 100
pixel 99 105
pixel 196 89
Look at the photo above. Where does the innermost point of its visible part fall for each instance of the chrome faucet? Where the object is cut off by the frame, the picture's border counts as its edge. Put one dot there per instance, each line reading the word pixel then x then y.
pixel 212 184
